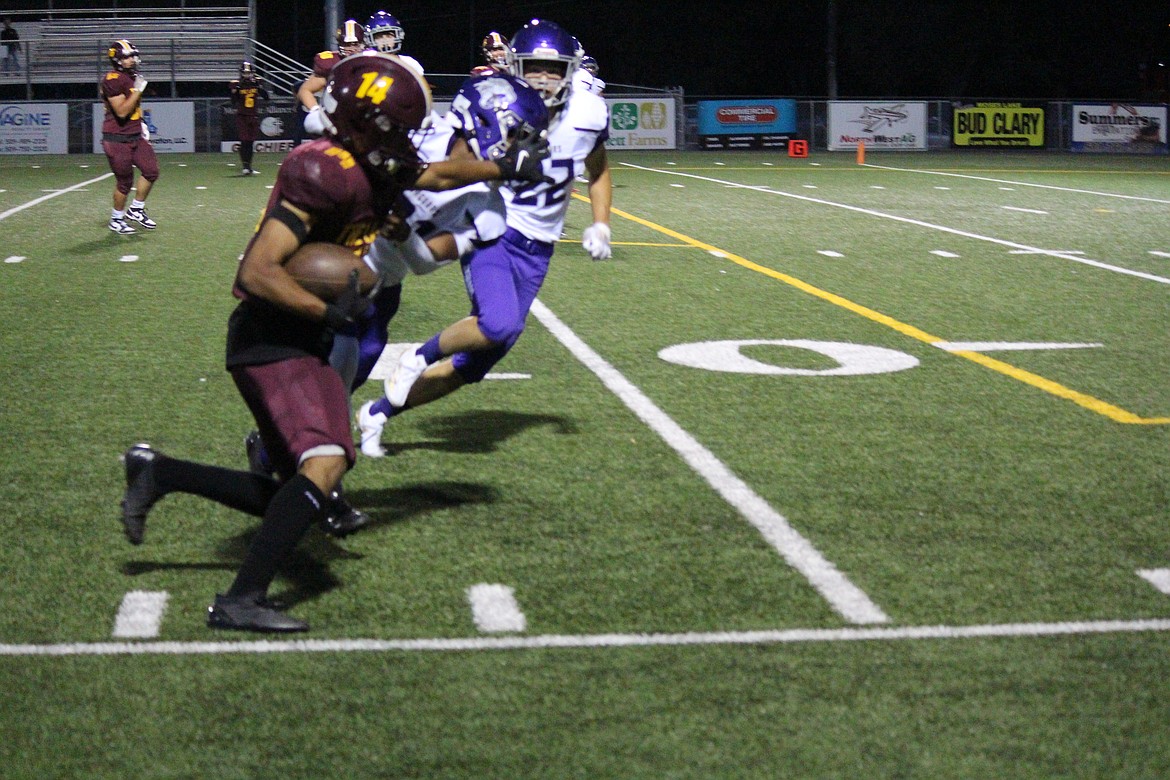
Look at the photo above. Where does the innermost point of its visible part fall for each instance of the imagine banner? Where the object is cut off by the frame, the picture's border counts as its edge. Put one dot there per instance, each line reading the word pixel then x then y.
pixel 34 128
pixel 171 125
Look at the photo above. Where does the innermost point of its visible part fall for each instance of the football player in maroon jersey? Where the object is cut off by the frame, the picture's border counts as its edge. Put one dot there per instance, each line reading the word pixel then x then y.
pixel 246 93
pixel 126 139
pixel 337 189
pixel 351 38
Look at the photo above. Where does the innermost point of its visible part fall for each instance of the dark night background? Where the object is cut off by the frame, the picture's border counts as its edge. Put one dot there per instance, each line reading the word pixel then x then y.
pixel 1074 49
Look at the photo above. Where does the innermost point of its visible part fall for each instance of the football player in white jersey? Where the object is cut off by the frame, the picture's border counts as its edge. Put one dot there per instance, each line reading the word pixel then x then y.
pixel 503 278
pixel 585 79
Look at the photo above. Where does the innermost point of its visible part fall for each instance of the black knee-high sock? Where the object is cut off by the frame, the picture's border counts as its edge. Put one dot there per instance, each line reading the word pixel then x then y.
pixel 294 508
pixel 240 490
pixel 246 150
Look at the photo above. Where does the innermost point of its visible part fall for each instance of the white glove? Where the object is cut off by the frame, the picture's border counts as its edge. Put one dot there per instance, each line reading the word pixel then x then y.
pixel 315 121
pixel 145 132
pixel 140 83
pixel 595 239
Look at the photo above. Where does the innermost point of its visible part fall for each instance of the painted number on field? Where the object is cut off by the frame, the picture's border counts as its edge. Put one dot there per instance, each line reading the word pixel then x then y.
pixel 851 359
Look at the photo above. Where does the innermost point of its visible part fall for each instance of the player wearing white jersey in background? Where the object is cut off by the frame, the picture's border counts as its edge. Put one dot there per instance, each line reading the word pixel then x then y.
pixel 504 278
pixel 585 79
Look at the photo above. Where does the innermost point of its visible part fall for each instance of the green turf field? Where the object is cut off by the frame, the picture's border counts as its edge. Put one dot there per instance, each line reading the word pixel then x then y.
pixel 833 471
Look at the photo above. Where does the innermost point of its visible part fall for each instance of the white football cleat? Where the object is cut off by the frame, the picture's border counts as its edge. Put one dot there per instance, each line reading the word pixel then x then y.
pixel 410 367
pixel 371 426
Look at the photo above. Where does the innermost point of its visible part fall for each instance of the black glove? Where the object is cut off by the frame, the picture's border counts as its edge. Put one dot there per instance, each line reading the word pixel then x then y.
pixel 522 161
pixel 348 306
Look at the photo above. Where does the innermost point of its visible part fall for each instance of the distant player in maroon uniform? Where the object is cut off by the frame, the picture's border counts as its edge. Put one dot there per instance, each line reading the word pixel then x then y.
pixel 247 92
pixel 336 189
pixel 125 139
pixel 350 40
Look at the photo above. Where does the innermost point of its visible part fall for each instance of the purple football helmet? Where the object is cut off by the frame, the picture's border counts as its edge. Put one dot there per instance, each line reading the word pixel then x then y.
pixel 380 24
pixel 546 43
pixel 371 103
pixel 491 110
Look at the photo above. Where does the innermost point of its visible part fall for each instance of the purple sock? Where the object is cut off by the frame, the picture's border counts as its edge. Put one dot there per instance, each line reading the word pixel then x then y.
pixel 431 350
pixel 382 406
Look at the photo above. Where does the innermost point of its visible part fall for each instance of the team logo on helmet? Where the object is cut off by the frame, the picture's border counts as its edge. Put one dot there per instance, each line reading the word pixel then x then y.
pixel 120 50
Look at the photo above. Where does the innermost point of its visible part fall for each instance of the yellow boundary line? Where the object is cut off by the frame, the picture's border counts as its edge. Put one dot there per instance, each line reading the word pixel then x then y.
pixel 1115 413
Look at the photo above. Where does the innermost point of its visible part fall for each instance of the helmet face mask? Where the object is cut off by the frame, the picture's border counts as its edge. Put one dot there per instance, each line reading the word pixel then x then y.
pixel 491 110
pixel 384 33
pixel 371 103
pixel 350 37
pixel 496 51
pixel 541 51
pixel 119 52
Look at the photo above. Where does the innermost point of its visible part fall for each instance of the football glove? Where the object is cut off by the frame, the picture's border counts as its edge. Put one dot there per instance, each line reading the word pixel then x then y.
pixel 350 305
pixel 315 121
pixel 145 132
pixel 140 82
pixel 595 239
pixel 524 158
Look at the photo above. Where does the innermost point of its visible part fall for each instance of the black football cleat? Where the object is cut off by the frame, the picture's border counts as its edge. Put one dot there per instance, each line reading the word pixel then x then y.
pixel 248 613
pixel 343 519
pixel 257 459
pixel 141 490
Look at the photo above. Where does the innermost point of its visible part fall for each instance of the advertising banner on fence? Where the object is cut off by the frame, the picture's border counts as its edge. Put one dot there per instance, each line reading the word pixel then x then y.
pixel 34 128
pixel 877 124
pixel 998 124
pixel 1117 127
pixel 172 126
pixel 277 128
pixel 641 123
pixel 746 124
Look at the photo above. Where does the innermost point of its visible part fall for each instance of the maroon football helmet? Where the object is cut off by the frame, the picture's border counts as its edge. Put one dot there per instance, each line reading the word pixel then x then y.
pixel 371 103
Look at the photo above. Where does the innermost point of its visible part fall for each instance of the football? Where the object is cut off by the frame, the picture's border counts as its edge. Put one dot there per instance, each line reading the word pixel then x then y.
pixel 323 269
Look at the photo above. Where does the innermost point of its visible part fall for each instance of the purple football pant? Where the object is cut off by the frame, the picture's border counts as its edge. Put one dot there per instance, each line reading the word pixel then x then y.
pixel 502 280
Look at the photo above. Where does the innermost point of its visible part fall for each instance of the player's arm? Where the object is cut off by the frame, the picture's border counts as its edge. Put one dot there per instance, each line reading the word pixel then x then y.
pixel 522 162
pixel 262 271
pixel 600 184
pixel 307 92
pixel 123 105
pixel 596 237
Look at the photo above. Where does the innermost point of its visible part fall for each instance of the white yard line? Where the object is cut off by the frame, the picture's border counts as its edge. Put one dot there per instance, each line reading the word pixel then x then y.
pixel 920 223
pixel 845 597
pixel 555 641
pixel 1019 183
pixel 55 193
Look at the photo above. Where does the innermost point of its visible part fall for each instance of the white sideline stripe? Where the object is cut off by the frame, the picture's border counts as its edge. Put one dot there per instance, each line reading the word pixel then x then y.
pixel 1026 211
pixel 1002 346
pixel 845 597
pixel 140 615
pixel 1159 578
pixel 494 609
pixel 43 198
pixel 920 223
pixel 563 641
pixel 1058 251
pixel 1159 254
pixel 1020 183
pixel 507 375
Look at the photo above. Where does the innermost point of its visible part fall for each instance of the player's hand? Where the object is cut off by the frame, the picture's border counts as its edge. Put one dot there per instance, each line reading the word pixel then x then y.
pixel 145 132
pixel 524 158
pixel 349 306
pixel 315 121
pixel 140 82
pixel 595 239
pixel 394 227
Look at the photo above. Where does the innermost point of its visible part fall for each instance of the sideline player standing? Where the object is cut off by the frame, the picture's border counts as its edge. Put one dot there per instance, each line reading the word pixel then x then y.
pixel 126 138
pixel 336 189
pixel 246 92
pixel 504 278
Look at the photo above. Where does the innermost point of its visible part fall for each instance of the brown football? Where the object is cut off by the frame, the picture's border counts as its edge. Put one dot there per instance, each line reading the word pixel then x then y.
pixel 323 269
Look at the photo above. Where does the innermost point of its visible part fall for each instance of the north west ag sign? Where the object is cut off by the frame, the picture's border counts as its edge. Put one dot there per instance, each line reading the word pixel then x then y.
pixel 998 124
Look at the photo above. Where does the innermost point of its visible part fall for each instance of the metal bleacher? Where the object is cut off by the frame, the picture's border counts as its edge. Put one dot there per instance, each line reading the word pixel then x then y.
pixel 179 44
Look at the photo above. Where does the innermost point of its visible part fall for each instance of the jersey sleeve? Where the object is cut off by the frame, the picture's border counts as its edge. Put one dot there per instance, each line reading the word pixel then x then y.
pixel 323 63
pixel 116 83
